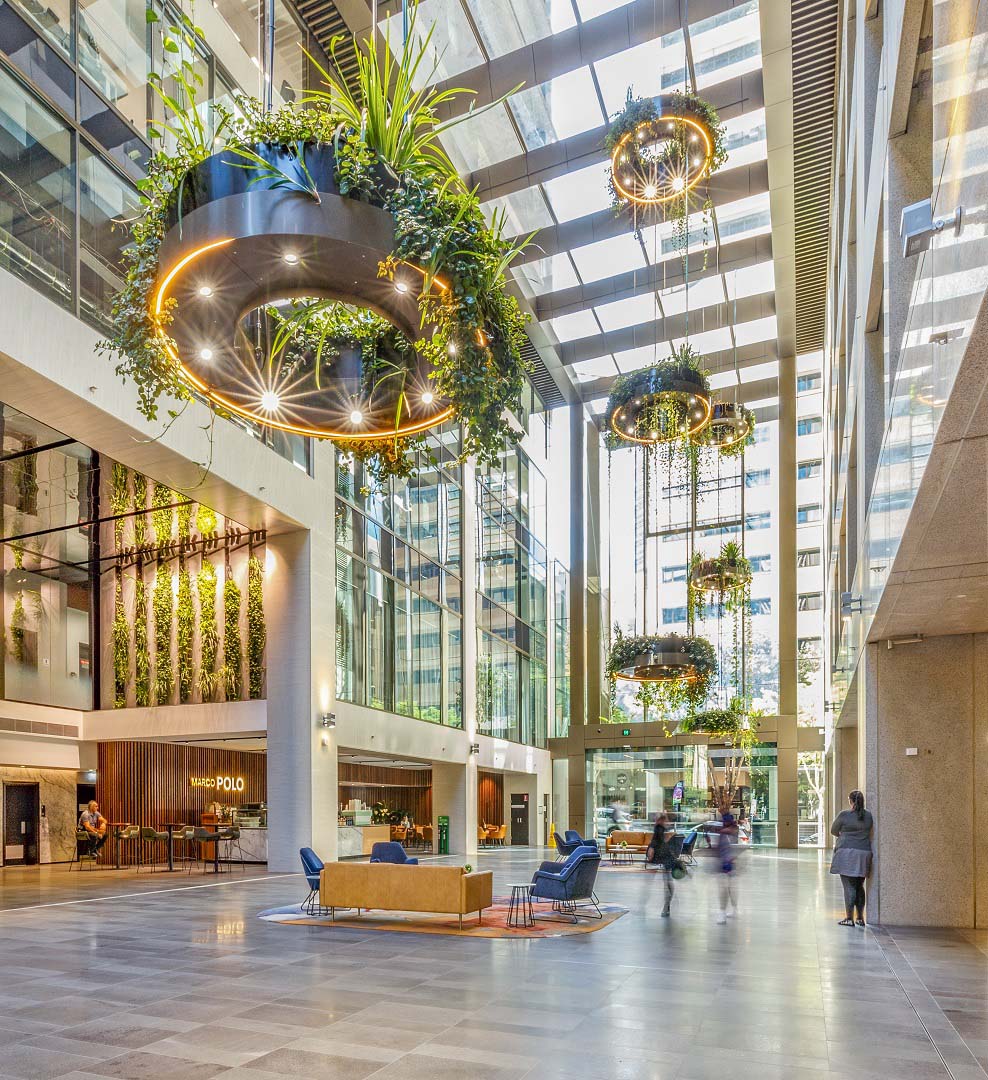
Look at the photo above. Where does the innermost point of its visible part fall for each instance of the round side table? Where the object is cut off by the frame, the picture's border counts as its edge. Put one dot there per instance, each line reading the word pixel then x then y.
pixel 520 912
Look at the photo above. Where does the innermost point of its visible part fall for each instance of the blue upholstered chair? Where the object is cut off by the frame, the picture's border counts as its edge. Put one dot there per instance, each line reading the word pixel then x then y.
pixel 564 848
pixel 688 844
pixel 391 852
pixel 569 883
pixel 311 867
pixel 573 837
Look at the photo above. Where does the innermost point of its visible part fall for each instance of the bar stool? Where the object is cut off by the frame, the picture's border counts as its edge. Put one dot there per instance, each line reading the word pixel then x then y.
pixel 150 837
pixel 199 837
pixel 231 837
pixel 82 837
pixel 125 834
pixel 184 835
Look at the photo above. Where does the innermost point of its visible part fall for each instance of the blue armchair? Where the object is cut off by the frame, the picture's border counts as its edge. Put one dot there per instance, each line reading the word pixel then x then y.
pixel 391 852
pixel 574 837
pixel 311 866
pixel 572 842
pixel 568 883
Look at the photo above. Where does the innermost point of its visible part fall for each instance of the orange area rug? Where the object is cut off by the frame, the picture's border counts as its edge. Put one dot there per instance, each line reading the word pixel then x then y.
pixel 547 922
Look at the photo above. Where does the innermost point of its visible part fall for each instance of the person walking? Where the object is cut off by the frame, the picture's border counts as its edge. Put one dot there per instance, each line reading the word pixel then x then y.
pixel 852 856
pixel 727 841
pixel 660 853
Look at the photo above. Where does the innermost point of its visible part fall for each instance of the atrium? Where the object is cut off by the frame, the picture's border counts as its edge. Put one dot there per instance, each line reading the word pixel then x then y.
pixel 496 470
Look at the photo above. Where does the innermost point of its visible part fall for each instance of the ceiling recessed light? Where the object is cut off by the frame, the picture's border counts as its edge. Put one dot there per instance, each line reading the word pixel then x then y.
pixel 678 183
pixel 401 286
pixel 427 398
pixel 290 257
pixel 651 191
pixel 205 290
pixel 270 402
pixel 452 348
pixel 206 354
pixel 356 417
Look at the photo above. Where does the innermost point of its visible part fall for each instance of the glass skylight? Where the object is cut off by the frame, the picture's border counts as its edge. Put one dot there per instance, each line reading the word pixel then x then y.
pixel 750 280
pixel 576 194
pixel 628 312
pixel 578 324
pixel 600 367
pixel 605 258
pixel 756 330
pixel 633 359
pixel 726 45
pixel 590 9
pixel 651 68
pixel 525 210
pixel 547 275
pixel 481 141
pixel 507 25
pixel 700 293
pixel 746 139
pixel 557 109
pixel 452 48
pixel 752 373
pixel 708 341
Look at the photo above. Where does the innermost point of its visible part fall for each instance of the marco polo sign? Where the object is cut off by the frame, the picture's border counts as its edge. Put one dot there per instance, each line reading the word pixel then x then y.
pixel 218 783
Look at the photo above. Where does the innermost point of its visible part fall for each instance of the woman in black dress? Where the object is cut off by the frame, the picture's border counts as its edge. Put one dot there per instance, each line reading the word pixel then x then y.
pixel 852 855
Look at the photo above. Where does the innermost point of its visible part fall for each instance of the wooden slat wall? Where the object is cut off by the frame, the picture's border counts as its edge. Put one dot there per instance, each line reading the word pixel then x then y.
pixel 398 789
pixel 147 783
pixel 490 798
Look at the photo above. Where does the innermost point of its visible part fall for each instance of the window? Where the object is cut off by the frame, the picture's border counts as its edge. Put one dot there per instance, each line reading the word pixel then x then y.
pixel 809 646
pixel 673 573
pixel 809 425
pixel 757 478
pixel 763 432
pixel 806 470
pixel 808 513
pixel 761 520
pixel 673 615
pixel 808 557
pixel 807 382
pixel 761 606
pixel 810 601
pixel 760 564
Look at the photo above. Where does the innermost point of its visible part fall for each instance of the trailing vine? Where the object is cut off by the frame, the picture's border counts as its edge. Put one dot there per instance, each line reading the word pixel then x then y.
pixel 142 656
pixel 161 601
pixel 184 518
pixel 121 643
pixel 209 640
pixel 256 631
pixel 205 520
pixel 140 506
pixel 232 647
pixel 18 620
pixel 385 140
pixel 185 634
pixel 119 500
pixel 672 695
pixel 161 514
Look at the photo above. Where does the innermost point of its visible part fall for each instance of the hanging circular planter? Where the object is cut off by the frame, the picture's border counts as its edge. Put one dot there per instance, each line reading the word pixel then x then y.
pixel 727 573
pixel 662 148
pixel 661 658
pixel 731 428
pixel 662 403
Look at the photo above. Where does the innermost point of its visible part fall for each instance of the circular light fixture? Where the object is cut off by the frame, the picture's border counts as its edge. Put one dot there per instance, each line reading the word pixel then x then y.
pixel 356 417
pixel 205 290
pixel 270 401
pixel 663 171
pixel 205 354
pixel 401 286
pixel 725 574
pixel 290 257
pixel 672 402
pixel 427 398
pixel 730 425
pixel 665 659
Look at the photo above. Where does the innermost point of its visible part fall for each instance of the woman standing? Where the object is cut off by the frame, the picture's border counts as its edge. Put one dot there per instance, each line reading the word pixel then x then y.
pixel 660 853
pixel 852 855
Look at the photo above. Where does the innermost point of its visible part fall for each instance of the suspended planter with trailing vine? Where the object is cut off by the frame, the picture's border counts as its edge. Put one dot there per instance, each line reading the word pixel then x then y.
pixel 725 582
pixel 731 429
pixel 675 672
pixel 668 402
pixel 321 269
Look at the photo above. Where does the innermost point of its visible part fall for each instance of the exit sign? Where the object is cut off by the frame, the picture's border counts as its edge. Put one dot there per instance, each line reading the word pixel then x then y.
pixel 626 731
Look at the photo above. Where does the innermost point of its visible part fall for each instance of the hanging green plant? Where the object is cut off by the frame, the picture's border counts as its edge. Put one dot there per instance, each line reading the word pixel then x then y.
pixel 731 429
pixel 256 632
pixel 162 604
pixel 162 514
pixel 737 726
pixel 725 581
pixel 666 403
pixel 675 672
pixel 205 520
pixel 384 138
pixel 184 518
pixel 185 634
pixel 209 639
pixel 119 501
pixel 18 622
pixel 121 643
pixel 232 648
pixel 142 654
pixel 662 149
pixel 140 505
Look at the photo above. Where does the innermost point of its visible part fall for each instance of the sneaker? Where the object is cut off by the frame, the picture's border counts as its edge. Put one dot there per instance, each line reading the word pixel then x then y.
pixel 721 918
pixel 665 914
pixel 731 912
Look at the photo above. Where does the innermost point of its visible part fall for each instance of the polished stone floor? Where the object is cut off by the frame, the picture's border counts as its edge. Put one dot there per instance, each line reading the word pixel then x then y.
pixel 170 976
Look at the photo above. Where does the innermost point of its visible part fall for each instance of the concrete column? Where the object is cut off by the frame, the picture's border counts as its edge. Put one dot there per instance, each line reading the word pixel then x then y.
pixel 578 569
pixel 788 821
pixel 454 794
pixel 300 610
pixel 468 646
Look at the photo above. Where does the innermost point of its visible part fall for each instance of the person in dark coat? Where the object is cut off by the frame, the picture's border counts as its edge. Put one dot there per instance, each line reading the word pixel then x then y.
pixel 660 853
pixel 852 856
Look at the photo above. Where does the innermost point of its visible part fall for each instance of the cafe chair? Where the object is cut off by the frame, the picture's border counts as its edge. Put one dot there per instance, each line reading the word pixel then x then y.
pixel 150 839
pixel 83 853
pixel 499 835
pixel 200 837
pixel 427 837
pixel 482 836
pixel 184 836
pixel 391 853
pixel 126 834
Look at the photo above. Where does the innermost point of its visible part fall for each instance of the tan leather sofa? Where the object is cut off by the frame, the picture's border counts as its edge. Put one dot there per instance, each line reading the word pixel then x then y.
pixel 393 887
pixel 636 841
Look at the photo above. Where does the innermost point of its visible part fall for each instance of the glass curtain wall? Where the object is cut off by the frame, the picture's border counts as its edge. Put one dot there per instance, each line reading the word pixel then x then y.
pixel 646 782
pixel 512 605
pixel 399 589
